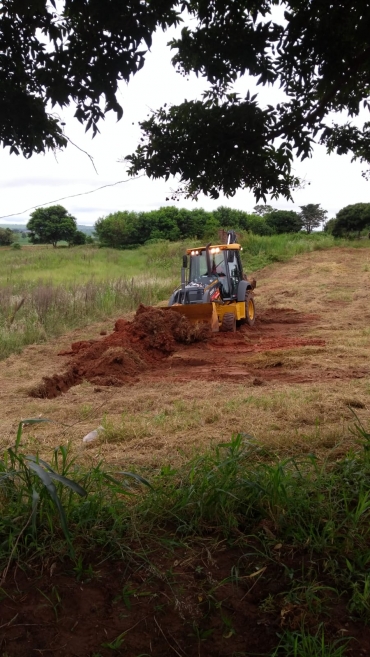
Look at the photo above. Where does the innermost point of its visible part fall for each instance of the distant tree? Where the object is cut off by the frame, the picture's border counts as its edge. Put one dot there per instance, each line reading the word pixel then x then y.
pixel 128 229
pixel 210 228
pixel 312 216
pixel 162 223
pixel 78 238
pixel 258 225
pixel 51 225
pixel 263 209
pixel 351 219
pixel 6 237
pixel 116 229
pixel 329 225
pixel 284 221
pixel 194 223
pixel 231 218
pixel 227 217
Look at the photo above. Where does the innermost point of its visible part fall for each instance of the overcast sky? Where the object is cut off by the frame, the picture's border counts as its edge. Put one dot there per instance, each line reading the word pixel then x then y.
pixel 333 181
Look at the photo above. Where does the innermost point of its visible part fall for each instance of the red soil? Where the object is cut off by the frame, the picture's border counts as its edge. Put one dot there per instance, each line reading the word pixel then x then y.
pixel 132 348
pixel 161 608
pixel 161 344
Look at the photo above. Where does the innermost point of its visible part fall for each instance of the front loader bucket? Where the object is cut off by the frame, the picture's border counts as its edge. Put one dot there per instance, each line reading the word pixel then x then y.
pixel 198 312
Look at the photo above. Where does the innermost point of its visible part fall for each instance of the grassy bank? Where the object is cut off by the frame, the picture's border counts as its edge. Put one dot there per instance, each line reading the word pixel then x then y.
pixel 290 539
pixel 260 251
pixel 45 292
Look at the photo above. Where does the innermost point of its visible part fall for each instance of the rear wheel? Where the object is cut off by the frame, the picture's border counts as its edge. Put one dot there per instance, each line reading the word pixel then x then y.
pixel 228 322
pixel 250 309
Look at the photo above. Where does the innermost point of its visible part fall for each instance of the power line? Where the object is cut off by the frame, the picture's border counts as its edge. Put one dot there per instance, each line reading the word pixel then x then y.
pixel 91 191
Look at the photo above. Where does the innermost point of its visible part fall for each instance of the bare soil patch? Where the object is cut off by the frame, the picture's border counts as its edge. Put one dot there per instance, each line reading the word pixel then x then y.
pixel 231 601
pixel 146 343
pixel 119 357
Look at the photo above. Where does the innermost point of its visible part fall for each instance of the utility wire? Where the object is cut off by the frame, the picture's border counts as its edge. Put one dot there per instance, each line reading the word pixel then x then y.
pixel 91 191
pixel 83 151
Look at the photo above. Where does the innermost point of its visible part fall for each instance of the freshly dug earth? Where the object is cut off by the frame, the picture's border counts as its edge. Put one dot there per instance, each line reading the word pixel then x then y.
pixel 132 348
pixel 156 334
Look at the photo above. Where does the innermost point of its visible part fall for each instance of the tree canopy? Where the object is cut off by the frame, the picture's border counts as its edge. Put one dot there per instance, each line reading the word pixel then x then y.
pixel 130 229
pixel 312 215
pixel 51 225
pixel 317 52
pixel 284 221
pixel 6 237
pixel 351 219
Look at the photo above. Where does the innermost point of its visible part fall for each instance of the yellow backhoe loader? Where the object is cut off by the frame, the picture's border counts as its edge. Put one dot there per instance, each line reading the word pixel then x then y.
pixel 213 287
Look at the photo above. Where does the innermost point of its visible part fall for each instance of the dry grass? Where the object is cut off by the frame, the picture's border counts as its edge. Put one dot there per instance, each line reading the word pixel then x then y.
pixel 158 421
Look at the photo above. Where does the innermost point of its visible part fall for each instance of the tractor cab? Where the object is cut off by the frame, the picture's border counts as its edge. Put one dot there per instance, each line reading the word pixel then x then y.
pixel 216 264
pixel 213 286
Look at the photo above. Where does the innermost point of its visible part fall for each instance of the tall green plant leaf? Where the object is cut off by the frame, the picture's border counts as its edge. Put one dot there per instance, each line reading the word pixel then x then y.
pixel 57 477
pixel 50 487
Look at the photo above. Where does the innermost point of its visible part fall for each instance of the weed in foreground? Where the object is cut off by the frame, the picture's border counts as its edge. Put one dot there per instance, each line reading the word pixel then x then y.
pixel 27 482
pixel 302 644
pixel 37 500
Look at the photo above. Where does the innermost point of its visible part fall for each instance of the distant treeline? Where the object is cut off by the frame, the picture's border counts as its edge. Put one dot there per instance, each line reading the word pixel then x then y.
pixel 130 229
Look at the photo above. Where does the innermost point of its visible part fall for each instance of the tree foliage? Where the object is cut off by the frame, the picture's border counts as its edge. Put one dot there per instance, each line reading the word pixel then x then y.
pixel 79 238
pixel 317 52
pixel 263 209
pixel 6 237
pixel 51 225
pixel 351 219
pixel 284 221
pixel 329 225
pixel 312 216
pixel 130 229
pixel 54 53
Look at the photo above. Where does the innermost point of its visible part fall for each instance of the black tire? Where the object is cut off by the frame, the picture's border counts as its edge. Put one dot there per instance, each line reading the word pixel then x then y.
pixel 228 322
pixel 250 309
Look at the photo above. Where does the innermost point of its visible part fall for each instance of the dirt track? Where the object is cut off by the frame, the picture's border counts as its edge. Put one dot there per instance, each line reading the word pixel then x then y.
pixel 301 366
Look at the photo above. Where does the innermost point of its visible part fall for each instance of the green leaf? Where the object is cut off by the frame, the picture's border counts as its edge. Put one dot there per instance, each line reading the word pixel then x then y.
pixel 138 478
pixel 73 485
pixel 20 428
pixel 50 487
pixel 35 501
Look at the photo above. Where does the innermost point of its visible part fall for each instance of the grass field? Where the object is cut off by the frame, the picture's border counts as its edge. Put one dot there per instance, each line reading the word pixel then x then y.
pixel 46 291
pixel 253 538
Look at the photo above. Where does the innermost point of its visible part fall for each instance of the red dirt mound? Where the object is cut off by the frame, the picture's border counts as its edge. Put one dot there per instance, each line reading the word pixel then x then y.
pixel 132 347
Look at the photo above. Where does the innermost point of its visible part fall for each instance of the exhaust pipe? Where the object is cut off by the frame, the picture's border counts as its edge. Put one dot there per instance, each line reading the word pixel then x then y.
pixel 208 258
pixel 183 272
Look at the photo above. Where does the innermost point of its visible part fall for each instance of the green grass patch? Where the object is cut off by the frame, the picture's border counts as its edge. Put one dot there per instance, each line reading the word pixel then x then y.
pixel 260 251
pixel 45 292
pixel 298 522
pixel 322 506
